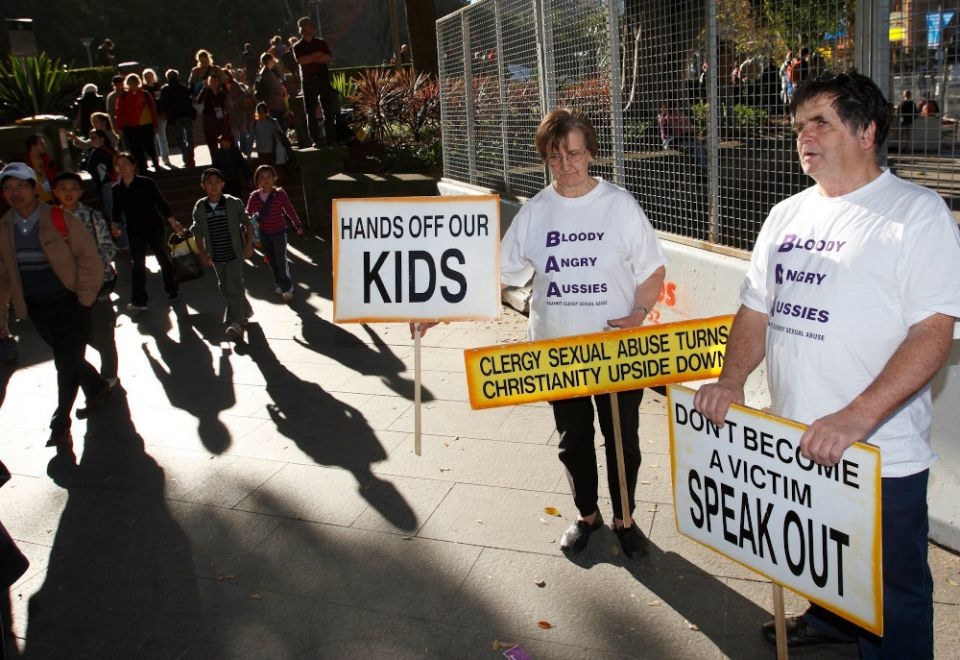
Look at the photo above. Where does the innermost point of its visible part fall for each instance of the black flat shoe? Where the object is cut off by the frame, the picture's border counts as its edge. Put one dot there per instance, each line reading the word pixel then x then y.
pixel 632 540
pixel 92 404
pixel 799 634
pixel 60 438
pixel 575 538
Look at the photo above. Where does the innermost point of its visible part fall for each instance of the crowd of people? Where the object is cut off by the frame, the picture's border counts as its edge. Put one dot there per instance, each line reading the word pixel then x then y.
pixel 246 108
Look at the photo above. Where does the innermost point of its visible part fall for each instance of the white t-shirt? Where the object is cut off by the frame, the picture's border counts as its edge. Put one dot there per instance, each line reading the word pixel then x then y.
pixel 587 255
pixel 841 280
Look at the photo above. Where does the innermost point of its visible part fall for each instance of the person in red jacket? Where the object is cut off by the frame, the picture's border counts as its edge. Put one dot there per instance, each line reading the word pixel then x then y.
pixel 137 119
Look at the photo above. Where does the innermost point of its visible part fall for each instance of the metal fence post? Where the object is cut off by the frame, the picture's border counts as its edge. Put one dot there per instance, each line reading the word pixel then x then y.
pixel 713 122
pixel 468 100
pixel 548 84
pixel 616 98
pixel 872 47
pixel 502 79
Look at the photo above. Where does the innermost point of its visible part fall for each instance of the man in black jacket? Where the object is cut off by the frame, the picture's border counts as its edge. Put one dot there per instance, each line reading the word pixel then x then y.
pixel 175 97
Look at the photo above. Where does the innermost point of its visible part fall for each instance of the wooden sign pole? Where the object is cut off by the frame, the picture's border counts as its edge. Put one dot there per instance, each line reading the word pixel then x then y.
pixel 416 389
pixel 621 469
pixel 780 621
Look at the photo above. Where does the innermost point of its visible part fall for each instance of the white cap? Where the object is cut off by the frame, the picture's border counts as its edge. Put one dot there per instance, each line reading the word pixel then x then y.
pixel 20 171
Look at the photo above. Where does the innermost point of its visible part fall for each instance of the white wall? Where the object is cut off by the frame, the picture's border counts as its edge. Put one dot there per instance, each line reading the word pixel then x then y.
pixel 701 283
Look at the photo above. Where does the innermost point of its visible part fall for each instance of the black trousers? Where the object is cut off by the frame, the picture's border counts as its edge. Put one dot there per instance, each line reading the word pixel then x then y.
pixel 139 240
pixel 317 91
pixel 574 420
pixel 140 141
pixel 64 324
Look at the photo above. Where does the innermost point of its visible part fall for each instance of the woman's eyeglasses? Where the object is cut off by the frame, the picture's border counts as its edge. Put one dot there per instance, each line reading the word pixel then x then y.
pixel 572 157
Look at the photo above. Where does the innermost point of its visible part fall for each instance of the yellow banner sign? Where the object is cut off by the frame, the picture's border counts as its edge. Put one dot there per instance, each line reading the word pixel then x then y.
pixel 614 361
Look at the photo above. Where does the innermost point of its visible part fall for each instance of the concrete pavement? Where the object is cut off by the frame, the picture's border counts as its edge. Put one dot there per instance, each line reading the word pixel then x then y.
pixel 265 502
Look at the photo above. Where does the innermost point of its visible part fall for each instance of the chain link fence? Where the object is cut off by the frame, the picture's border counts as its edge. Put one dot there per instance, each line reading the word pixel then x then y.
pixel 688 96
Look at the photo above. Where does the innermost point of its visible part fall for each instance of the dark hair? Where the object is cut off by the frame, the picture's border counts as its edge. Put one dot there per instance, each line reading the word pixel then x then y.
pixel 247 46
pixel 104 116
pixel 209 172
pixel 304 20
pixel 116 79
pixel 266 57
pixel 100 133
pixel 127 156
pixel 856 98
pixel 557 125
pixel 32 141
pixel 67 175
pixel 264 168
pixel 172 76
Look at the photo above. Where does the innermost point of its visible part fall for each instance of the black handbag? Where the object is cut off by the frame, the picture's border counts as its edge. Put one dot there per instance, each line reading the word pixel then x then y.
pixel 184 257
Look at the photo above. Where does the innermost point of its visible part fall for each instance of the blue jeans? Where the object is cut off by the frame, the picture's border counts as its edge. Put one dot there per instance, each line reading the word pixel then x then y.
pixel 907 582
pixel 275 247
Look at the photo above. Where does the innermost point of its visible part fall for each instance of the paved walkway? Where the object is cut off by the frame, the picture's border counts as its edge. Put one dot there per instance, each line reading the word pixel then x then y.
pixel 265 502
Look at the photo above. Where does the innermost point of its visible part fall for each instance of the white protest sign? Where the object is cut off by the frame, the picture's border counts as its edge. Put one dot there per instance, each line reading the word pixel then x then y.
pixel 746 491
pixel 416 259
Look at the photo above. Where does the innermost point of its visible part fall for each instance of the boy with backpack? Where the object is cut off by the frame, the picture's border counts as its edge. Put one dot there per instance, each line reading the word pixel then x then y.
pixel 68 190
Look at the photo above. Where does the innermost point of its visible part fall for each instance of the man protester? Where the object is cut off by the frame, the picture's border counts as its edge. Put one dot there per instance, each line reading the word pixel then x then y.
pixel 50 268
pixel 851 350
pixel 313 55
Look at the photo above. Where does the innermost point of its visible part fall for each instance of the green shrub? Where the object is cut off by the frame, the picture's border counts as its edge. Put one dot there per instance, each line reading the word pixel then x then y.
pixel 746 115
pixel 33 85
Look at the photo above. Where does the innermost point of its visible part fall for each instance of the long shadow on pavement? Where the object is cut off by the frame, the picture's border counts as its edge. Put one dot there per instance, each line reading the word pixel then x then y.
pixel 186 371
pixel 118 583
pixel 327 430
pixel 708 603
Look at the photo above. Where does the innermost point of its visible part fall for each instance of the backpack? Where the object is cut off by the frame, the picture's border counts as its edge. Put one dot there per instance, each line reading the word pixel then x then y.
pixel 59 222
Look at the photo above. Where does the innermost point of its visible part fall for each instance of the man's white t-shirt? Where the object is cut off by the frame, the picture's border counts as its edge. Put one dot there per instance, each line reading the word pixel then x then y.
pixel 587 255
pixel 841 281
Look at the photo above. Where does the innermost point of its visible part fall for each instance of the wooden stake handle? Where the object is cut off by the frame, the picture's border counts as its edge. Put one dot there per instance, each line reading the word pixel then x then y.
pixel 416 390
pixel 621 468
pixel 780 622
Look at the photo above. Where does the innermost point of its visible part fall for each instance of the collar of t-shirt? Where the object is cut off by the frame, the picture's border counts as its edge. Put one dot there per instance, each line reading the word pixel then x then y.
pixel 264 195
pixel 26 225
pixel 213 205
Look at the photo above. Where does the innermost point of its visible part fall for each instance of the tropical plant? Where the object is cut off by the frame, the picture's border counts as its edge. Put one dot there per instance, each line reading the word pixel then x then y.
pixel 376 101
pixel 419 108
pixel 33 85
pixel 345 85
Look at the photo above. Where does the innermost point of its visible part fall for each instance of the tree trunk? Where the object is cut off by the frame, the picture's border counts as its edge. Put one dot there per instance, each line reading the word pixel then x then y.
pixel 421 25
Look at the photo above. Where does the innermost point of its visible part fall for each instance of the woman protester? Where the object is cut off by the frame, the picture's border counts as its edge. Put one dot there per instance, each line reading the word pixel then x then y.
pixel 138 199
pixel 616 289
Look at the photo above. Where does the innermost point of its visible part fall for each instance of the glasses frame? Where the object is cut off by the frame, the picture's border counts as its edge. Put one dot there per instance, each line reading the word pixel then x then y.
pixel 571 157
